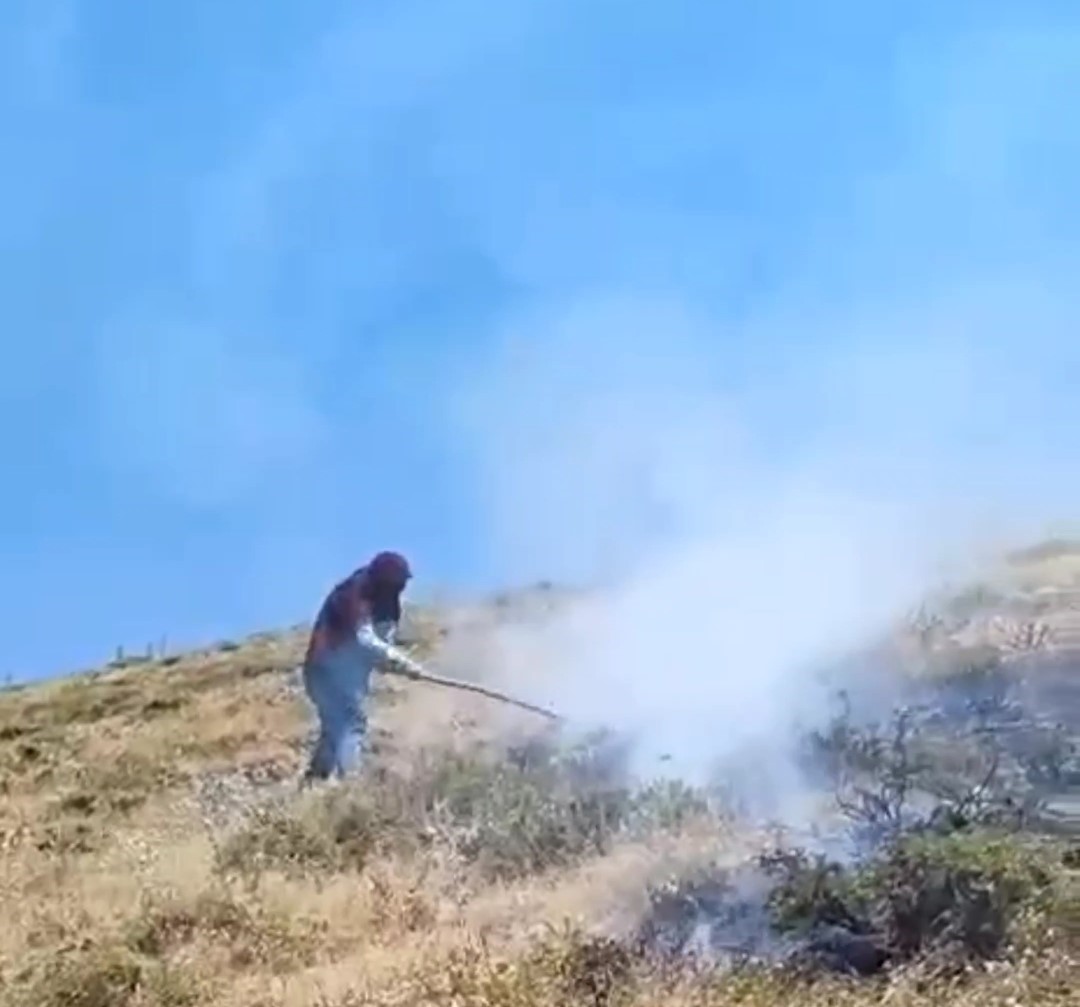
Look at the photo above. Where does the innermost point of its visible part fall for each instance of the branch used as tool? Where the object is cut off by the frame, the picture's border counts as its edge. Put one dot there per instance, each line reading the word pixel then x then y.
pixel 453 683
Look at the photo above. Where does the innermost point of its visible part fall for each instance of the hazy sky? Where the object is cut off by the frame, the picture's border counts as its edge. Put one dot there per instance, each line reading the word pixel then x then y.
pixel 521 288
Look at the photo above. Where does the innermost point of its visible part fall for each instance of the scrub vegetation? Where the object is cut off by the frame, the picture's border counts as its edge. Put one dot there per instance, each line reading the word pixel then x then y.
pixel 157 850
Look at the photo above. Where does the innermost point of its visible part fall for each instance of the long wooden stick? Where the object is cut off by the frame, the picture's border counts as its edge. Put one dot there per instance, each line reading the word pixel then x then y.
pixel 453 683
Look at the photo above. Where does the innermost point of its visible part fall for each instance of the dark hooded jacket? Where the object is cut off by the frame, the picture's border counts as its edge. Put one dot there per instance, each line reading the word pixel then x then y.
pixel 358 599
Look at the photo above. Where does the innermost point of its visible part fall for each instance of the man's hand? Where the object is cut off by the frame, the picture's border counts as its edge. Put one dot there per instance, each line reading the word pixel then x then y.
pixel 409 668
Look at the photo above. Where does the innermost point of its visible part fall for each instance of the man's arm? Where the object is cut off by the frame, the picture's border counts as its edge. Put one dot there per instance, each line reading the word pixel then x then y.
pixel 396 660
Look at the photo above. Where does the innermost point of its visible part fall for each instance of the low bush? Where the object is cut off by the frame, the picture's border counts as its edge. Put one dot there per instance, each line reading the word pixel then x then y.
pixel 951 900
pixel 108 975
pixel 572 968
pixel 250 933
pixel 925 768
pixel 508 814
pixel 338 831
pixel 564 968
pixel 958 898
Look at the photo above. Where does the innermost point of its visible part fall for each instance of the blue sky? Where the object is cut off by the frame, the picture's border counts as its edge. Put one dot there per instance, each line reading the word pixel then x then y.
pixel 286 286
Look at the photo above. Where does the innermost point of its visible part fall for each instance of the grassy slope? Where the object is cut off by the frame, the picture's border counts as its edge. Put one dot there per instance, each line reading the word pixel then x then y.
pixel 117 789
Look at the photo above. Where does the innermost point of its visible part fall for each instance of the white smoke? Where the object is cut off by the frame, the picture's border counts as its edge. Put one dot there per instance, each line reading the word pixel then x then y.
pixel 721 579
pixel 754 492
pixel 730 565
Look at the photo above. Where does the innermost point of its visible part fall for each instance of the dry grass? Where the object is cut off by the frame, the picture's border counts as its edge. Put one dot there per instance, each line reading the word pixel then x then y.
pixel 155 854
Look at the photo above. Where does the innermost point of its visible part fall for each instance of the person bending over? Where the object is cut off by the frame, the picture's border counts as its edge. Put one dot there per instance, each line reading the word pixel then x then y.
pixel 354 632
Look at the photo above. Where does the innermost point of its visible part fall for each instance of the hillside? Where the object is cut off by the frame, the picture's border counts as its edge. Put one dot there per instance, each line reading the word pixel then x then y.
pixel 156 850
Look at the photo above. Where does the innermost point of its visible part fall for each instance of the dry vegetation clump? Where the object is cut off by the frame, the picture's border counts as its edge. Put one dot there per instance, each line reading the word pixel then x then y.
pixel 506 814
pixel 570 968
pixel 108 976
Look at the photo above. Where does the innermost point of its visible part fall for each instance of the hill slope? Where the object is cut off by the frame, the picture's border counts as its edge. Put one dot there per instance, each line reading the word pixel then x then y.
pixel 156 851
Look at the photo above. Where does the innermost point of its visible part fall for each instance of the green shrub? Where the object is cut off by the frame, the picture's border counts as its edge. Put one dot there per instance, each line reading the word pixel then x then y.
pixel 812 891
pixel 958 895
pixel 961 892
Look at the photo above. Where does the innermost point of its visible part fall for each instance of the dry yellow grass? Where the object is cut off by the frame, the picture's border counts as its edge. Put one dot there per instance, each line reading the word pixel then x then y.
pixel 113 892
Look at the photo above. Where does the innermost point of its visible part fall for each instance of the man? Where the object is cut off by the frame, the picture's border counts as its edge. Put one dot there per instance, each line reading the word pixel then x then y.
pixel 353 633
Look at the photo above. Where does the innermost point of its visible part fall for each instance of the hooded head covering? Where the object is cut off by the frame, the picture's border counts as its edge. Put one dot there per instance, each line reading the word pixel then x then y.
pixel 390 568
pixel 387 575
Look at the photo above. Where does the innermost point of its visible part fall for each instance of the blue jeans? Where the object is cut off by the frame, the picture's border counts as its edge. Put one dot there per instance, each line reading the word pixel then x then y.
pixel 337 685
